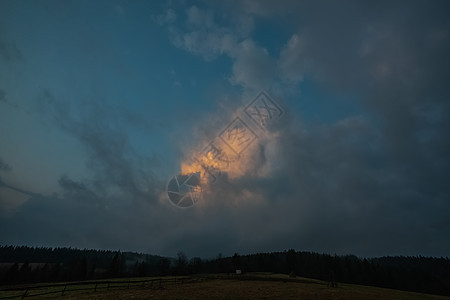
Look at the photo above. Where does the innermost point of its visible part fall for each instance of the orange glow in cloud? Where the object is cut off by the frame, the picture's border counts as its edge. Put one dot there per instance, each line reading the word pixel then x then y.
pixel 235 150
pixel 218 158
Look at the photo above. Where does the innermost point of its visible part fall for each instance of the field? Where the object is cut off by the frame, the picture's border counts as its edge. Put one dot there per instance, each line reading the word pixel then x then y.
pixel 250 286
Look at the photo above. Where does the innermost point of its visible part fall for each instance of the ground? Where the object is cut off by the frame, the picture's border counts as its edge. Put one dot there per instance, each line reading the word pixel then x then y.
pixel 256 286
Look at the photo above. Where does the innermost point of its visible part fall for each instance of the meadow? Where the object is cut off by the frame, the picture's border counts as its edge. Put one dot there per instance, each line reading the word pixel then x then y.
pixel 217 286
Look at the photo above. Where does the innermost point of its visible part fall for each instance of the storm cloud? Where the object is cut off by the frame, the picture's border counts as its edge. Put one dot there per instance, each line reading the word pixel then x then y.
pixel 358 163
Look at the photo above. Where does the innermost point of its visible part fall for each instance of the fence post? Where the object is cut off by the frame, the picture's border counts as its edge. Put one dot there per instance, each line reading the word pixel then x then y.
pixel 25 294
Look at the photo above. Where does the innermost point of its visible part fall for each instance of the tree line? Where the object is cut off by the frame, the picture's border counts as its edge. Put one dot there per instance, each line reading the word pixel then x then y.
pixel 39 264
pixel 22 264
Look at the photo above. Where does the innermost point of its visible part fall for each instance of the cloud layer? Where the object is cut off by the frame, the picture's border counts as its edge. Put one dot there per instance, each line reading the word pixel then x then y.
pixel 373 182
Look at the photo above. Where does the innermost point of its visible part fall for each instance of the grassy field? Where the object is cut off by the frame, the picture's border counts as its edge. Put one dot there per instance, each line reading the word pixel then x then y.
pixel 255 286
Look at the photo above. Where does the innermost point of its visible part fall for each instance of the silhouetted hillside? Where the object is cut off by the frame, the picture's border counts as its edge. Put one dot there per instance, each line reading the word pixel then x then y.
pixel 28 264
pixel 38 264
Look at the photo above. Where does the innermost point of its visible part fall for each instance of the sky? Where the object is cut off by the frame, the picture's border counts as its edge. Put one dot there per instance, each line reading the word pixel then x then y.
pixel 102 103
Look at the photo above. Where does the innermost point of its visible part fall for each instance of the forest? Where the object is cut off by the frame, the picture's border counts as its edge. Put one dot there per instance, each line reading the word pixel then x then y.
pixel 23 264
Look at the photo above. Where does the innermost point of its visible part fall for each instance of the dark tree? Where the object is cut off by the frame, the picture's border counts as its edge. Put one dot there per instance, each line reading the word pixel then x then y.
pixel 117 265
pixel 163 266
pixel 291 262
pixel 182 264
pixel 195 265
pixel 237 261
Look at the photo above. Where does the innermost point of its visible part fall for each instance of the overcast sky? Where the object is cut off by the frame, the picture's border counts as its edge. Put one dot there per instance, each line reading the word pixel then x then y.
pixel 102 102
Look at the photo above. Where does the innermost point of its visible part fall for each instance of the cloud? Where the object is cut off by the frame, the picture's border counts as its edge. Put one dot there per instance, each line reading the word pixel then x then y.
pixel 10 51
pixel 4 166
pixel 371 182
pixel 121 191
pixel 200 42
pixel 367 180
pixel 333 190
pixel 202 36
pixel 167 18
pixel 269 9
pixel 252 68
pixel 293 64
pixel 116 167
pixel 197 17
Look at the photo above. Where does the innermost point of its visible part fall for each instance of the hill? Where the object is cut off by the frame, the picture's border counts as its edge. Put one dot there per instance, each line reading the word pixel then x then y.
pixel 31 265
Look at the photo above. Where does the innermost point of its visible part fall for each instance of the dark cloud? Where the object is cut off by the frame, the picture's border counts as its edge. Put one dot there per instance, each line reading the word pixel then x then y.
pixel 359 196
pixel 17 189
pixel 8 48
pixel 107 210
pixel 386 179
pixel 374 183
pixel 371 183
pixel 10 51
pixel 4 166
pixel 111 158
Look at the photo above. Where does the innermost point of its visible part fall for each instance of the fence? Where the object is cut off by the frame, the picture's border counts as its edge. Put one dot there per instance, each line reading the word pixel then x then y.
pixel 64 288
